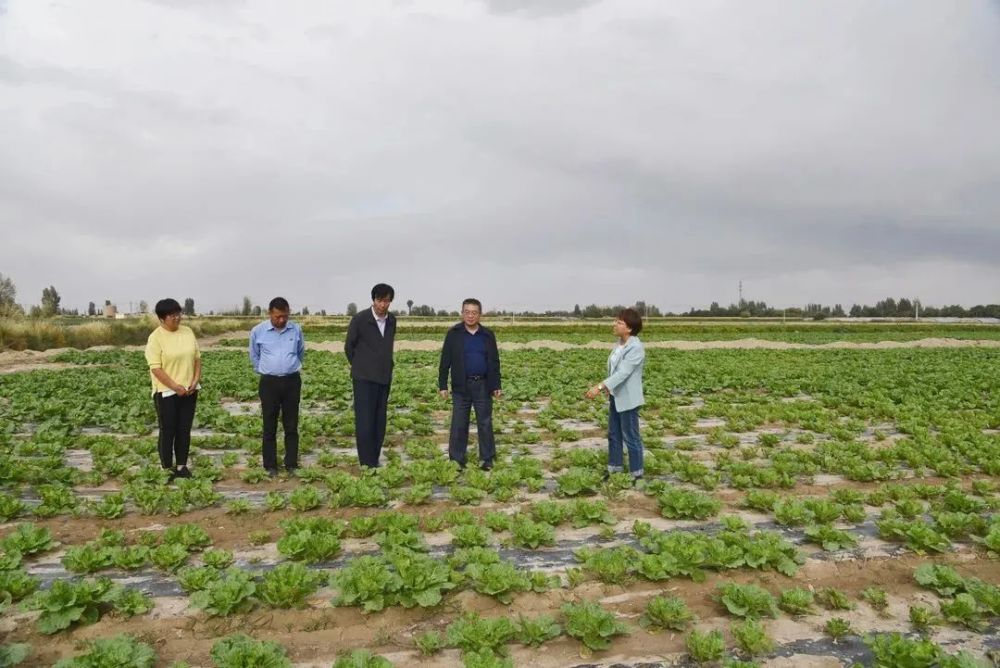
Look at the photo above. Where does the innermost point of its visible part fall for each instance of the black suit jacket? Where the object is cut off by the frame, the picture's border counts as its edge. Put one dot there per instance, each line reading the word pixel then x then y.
pixel 368 351
pixel 453 357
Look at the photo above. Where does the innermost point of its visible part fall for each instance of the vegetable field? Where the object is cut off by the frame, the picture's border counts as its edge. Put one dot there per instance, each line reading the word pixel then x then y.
pixel 801 507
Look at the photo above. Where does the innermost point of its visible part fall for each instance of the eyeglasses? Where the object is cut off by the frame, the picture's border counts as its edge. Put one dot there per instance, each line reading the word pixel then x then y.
pixel 175 316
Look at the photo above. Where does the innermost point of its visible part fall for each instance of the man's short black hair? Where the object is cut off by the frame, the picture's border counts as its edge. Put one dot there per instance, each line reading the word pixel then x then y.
pixel 383 290
pixel 166 307
pixel 632 320
pixel 278 304
pixel 472 300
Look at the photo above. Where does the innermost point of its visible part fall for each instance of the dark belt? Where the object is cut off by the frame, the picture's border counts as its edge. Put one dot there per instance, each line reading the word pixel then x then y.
pixel 475 377
pixel 290 375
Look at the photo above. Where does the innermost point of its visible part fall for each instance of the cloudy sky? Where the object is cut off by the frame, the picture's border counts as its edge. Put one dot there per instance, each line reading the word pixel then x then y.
pixel 534 153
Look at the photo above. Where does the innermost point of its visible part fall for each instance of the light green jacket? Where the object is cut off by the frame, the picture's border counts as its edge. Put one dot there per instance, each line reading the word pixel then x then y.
pixel 624 380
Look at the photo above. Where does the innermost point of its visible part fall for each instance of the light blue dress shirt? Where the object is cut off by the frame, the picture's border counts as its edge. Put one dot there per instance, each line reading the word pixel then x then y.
pixel 276 352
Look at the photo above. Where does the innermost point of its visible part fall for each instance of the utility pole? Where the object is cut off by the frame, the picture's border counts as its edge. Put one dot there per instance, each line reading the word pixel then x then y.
pixel 916 309
pixel 741 294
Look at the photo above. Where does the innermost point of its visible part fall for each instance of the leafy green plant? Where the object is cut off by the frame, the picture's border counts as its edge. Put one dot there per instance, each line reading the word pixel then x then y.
pixel 536 631
pixel 112 506
pixel 305 498
pixel 288 586
pixel 963 610
pixel 943 579
pixel 197 578
pixel 472 633
pixel 169 556
pixel 923 618
pixel 309 546
pixel 28 538
pixel 830 538
pixel 752 638
pixel 796 601
pixel 191 536
pixel 12 655
pixel 591 624
pixel 429 642
pixel 666 613
pixel 231 593
pixel 66 603
pixel 532 535
pixel 423 580
pixel 88 558
pixel 131 602
pixel 499 580
pixel 876 598
pixel 894 650
pixel 834 599
pixel 242 651
pixel 470 535
pixel 747 600
pixel 129 557
pixel 16 584
pixel 366 581
pixel 679 503
pixel 361 658
pixel 121 650
pixel 585 512
pixel 837 628
pixel 705 647
pixel 610 565
pixel 216 558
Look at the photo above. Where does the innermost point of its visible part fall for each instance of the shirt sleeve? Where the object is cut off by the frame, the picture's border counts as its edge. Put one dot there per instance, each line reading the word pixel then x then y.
pixel 629 363
pixel 254 351
pixel 154 353
pixel 197 349
pixel 300 349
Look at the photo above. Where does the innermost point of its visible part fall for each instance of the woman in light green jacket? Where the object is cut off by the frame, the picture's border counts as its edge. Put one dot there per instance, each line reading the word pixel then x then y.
pixel 624 386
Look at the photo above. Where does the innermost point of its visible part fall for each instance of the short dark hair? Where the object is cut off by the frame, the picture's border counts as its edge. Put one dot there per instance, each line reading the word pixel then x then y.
pixel 472 300
pixel 166 307
pixel 383 290
pixel 278 304
pixel 632 320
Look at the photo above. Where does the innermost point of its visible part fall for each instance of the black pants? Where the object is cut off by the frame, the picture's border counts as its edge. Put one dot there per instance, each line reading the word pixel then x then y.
pixel 280 394
pixel 174 416
pixel 478 397
pixel 371 400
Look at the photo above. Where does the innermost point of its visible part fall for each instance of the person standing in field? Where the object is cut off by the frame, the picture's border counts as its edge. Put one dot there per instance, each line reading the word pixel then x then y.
pixel 624 387
pixel 368 347
pixel 470 353
pixel 277 349
pixel 175 371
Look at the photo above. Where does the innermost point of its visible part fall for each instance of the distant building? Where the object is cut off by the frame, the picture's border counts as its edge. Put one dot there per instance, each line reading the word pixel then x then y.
pixel 110 311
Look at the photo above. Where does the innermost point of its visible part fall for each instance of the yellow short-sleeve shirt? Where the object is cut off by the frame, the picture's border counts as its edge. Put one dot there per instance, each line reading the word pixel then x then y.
pixel 175 353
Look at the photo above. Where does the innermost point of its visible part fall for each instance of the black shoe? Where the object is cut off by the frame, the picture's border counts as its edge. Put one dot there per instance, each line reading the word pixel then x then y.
pixel 638 480
pixel 486 466
pixel 292 471
pixel 606 476
pixel 171 475
pixel 272 473
pixel 183 472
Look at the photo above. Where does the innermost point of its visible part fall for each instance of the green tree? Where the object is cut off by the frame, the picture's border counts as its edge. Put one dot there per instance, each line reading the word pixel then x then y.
pixel 247 307
pixel 50 301
pixel 409 307
pixel 8 293
pixel 188 306
pixel 352 309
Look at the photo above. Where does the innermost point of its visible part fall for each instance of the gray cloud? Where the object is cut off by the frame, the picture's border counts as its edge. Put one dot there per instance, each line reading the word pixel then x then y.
pixel 604 151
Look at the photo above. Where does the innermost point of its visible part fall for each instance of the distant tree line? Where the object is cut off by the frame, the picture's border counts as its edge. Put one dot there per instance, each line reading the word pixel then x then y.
pixel 886 308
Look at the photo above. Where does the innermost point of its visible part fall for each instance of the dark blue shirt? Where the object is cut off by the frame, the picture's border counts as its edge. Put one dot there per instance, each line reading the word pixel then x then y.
pixel 474 347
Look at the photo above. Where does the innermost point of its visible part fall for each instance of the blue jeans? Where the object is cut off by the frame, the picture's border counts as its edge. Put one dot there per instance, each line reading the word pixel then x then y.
pixel 624 426
pixel 478 397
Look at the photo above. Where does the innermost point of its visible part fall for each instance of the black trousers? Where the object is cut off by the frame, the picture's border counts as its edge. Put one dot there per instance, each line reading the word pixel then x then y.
pixel 174 416
pixel 371 401
pixel 280 395
pixel 478 397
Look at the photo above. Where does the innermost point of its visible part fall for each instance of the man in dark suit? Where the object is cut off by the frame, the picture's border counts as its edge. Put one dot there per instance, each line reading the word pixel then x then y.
pixel 470 352
pixel 370 338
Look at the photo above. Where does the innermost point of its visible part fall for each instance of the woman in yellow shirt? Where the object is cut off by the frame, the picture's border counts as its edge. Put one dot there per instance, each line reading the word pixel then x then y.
pixel 175 369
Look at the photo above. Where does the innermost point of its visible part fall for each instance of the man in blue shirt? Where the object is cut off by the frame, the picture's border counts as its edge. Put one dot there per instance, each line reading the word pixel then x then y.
pixel 276 351
pixel 470 352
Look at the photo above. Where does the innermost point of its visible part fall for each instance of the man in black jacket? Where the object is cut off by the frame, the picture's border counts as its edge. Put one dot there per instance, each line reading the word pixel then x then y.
pixel 370 338
pixel 470 351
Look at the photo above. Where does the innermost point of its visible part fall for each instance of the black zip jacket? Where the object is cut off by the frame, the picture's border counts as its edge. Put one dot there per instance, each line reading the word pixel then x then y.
pixel 453 357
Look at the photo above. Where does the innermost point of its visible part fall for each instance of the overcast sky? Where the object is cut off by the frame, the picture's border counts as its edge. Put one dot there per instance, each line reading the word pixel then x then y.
pixel 533 153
